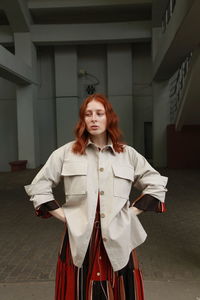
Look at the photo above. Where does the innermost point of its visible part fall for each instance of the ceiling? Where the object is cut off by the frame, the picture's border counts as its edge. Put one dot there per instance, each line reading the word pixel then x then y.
pixel 100 14
pixel 110 11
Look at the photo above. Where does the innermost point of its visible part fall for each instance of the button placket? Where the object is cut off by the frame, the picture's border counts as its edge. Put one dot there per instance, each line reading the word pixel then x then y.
pixel 101 170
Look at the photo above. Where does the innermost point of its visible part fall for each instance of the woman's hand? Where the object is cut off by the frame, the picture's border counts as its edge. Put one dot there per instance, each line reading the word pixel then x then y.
pixel 136 210
pixel 59 214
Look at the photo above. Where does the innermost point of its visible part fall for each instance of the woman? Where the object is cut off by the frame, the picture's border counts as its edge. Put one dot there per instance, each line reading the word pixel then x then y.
pixel 97 258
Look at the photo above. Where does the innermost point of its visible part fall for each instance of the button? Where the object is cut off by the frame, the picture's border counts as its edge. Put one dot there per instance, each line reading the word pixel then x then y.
pixel 102 193
pixel 101 169
pixel 99 257
pixel 98 274
pixel 104 239
pixel 103 215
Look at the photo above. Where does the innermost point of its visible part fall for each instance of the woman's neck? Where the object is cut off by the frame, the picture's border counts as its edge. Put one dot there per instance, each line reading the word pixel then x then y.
pixel 99 140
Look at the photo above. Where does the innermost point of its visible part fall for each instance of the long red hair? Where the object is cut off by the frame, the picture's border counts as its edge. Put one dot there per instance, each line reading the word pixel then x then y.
pixel 113 130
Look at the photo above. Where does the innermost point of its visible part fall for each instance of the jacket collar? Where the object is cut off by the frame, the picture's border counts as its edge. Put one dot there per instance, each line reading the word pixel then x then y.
pixel 108 146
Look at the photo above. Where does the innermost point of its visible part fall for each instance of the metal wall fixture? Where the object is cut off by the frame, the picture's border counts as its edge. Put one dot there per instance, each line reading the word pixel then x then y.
pixel 93 81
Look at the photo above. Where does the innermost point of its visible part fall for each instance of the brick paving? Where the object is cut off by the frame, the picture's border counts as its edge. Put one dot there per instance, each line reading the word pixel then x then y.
pixel 29 245
pixel 171 251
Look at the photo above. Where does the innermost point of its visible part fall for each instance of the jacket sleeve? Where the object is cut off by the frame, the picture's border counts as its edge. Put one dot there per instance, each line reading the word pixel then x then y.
pixel 147 179
pixel 149 203
pixel 40 190
pixel 44 210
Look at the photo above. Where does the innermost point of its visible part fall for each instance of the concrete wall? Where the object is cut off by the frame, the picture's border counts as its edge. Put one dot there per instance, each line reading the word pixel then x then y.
pixel 92 59
pixel 123 72
pixel 120 91
pixel 8 125
pixel 142 93
pixel 161 111
pixel 46 103
pixel 183 147
pixel 66 78
pixel 161 118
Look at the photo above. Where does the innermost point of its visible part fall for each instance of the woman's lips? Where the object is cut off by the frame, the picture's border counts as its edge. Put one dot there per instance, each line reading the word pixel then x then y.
pixel 94 127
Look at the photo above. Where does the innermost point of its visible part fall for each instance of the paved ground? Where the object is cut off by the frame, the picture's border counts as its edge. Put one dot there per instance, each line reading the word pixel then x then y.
pixel 170 258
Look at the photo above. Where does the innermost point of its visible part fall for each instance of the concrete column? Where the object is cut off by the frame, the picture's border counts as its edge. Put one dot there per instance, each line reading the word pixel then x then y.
pixel 120 90
pixel 161 109
pixel 66 77
pixel 161 118
pixel 27 124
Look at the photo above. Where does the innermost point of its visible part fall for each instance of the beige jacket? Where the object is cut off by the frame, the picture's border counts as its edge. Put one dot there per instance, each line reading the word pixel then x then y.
pixel 110 174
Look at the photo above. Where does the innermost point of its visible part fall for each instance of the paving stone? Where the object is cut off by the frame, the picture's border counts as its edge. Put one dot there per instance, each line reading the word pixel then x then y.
pixel 29 245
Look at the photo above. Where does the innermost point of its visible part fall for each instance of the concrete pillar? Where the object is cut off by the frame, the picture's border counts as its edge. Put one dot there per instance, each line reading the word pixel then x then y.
pixel 142 97
pixel 66 77
pixel 161 118
pixel 27 124
pixel 120 90
pixel 161 109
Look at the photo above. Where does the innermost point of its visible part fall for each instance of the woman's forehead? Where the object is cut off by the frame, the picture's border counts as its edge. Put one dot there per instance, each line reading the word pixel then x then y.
pixel 95 105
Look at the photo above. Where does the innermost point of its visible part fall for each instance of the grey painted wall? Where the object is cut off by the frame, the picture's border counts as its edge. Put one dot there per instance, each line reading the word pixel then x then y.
pixel 8 125
pixel 142 92
pixel 119 68
pixel 46 103
pixel 124 72
pixel 92 58
pixel 66 78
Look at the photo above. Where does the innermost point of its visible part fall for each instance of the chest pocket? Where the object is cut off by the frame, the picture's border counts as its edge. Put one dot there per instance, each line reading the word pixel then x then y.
pixel 122 181
pixel 74 174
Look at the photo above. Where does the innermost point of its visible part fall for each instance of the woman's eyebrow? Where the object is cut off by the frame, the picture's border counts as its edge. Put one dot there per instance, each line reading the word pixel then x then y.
pixel 90 110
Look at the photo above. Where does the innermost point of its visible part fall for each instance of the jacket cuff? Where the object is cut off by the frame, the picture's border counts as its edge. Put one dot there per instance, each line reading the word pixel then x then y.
pixel 39 193
pixel 43 210
pixel 150 203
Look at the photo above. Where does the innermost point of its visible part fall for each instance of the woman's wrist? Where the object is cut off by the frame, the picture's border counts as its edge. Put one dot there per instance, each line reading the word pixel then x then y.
pixel 59 214
pixel 136 210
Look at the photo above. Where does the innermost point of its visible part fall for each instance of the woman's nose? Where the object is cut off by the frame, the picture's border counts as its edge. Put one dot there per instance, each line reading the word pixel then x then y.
pixel 94 118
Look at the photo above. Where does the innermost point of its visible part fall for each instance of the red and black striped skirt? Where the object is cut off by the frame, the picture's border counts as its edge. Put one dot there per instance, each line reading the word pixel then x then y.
pixel 96 280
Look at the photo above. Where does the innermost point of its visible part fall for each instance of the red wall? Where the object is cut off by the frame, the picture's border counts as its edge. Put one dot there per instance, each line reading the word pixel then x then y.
pixel 183 147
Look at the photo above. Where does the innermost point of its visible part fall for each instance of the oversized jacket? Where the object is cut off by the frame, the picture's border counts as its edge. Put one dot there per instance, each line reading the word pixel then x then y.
pixel 110 175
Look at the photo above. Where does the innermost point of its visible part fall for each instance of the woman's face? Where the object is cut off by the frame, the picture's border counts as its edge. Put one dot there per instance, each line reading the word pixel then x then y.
pixel 95 118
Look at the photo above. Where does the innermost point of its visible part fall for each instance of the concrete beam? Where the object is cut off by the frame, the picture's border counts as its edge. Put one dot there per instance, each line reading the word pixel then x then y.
pixel 18 14
pixel 6 35
pixel 14 69
pixel 40 4
pixel 178 40
pixel 83 33
pixel 86 33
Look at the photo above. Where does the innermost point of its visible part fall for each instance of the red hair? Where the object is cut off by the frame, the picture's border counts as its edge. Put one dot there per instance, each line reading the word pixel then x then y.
pixel 113 130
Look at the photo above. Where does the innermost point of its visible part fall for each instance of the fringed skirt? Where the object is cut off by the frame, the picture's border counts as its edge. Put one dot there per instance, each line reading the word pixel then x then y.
pixel 96 280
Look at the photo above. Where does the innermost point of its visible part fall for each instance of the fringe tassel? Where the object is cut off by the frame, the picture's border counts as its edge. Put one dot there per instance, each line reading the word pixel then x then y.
pixel 77 284
pixel 109 291
pixel 139 292
pixel 161 207
pixel 65 281
pixel 139 287
pixel 122 294
pixel 89 296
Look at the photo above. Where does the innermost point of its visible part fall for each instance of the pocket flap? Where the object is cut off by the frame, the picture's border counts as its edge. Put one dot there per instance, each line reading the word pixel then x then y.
pixel 123 171
pixel 71 168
